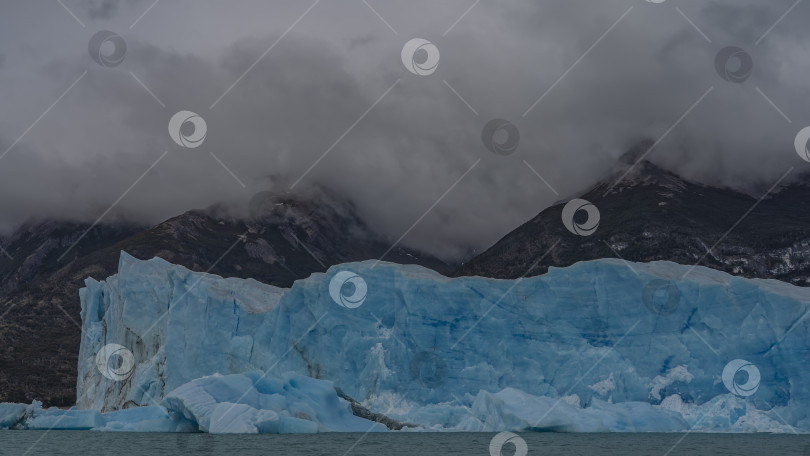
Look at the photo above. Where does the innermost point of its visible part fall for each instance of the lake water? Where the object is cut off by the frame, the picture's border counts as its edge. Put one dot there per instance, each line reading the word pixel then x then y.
pixel 88 443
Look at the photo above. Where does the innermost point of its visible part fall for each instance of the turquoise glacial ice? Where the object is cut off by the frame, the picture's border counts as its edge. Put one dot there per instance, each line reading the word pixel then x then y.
pixel 598 346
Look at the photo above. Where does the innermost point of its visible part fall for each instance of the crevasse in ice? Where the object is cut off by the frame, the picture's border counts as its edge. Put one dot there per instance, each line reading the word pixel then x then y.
pixel 598 346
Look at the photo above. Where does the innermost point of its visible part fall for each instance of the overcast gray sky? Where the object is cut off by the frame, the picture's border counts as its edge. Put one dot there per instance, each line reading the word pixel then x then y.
pixel 340 58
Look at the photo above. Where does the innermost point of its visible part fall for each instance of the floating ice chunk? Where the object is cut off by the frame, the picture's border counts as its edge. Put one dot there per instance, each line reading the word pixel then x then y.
pixel 257 403
pixel 11 414
pixel 146 419
pixel 56 419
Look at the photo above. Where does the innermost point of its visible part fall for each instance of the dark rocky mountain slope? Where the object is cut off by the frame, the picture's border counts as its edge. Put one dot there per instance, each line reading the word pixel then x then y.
pixel 653 214
pixel 286 239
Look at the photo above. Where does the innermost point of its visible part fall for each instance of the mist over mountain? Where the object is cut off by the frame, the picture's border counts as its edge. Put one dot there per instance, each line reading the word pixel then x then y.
pixel 646 213
pixel 650 215
pixel 291 101
pixel 286 238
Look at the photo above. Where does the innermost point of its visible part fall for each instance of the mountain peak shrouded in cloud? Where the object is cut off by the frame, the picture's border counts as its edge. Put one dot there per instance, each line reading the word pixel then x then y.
pixel 320 95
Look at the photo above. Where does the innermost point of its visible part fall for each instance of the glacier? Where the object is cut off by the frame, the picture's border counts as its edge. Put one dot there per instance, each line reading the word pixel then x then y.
pixel 600 346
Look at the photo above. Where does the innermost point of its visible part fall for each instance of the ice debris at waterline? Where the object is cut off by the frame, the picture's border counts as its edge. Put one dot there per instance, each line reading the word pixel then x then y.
pixel 232 404
pixel 599 346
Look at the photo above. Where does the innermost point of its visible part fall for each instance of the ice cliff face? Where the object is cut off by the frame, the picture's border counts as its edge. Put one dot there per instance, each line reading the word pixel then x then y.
pixel 600 345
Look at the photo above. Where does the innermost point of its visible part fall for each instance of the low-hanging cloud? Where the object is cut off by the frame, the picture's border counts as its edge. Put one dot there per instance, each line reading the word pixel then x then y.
pixel 311 88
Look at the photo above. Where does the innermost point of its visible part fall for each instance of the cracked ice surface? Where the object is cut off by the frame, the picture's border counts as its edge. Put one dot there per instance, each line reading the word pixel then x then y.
pixel 576 349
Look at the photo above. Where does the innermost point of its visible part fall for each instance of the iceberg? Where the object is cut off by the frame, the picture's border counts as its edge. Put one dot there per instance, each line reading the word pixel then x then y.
pixel 12 414
pixel 599 346
pixel 252 403
pixel 258 404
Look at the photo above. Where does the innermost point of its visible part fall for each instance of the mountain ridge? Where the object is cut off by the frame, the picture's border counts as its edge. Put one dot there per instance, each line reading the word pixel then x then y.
pixel 285 239
pixel 648 213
